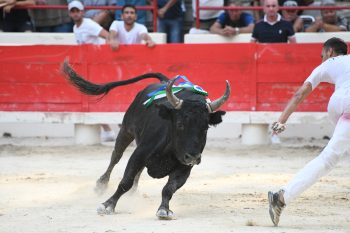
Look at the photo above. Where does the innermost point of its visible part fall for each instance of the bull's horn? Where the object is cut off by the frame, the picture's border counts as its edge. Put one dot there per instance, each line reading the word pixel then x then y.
pixel 175 102
pixel 216 104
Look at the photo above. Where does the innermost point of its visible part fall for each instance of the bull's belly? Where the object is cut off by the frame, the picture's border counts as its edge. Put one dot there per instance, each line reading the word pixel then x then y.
pixel 158 167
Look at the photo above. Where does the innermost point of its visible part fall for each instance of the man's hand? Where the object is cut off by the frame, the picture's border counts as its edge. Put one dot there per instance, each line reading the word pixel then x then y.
pixel 150 43
pixel 114 45
pixel 278 127
pixel 318 22
pixel 161 12
pixel 229 31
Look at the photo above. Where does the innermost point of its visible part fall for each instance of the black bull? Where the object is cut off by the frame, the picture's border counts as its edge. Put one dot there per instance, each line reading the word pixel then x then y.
pixel 170 135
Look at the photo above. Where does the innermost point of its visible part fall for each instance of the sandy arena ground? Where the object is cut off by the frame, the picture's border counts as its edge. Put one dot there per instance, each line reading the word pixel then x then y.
pixel 47 185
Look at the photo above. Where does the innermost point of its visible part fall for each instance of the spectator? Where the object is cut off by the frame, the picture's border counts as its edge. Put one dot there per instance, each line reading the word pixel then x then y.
pixel 233 22
pixel 329 21
pixel 87 31
pixel 128 31
pixel 51 20
pixel 16 20
pixel 292 16
pixel 102 17
pixel 273 29
pixel 258 15
pixel 207 17
pixel 170 19
pixel 311 3
pixel 141 15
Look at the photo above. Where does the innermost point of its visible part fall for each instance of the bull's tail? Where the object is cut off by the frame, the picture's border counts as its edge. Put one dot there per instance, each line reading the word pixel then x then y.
pixel 90 88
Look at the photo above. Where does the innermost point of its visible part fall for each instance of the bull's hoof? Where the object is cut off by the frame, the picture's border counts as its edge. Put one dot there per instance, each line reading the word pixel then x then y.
pixel 164 214
pixel 103 210
pixel 100 187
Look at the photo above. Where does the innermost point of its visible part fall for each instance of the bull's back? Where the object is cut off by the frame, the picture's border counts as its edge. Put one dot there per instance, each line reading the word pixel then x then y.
pixel 141 117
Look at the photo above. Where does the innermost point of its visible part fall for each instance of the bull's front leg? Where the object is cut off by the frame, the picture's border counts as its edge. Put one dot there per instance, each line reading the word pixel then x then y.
pixel 176 180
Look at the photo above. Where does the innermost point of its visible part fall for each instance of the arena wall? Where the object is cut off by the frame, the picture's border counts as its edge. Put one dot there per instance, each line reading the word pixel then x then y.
pixel 262 77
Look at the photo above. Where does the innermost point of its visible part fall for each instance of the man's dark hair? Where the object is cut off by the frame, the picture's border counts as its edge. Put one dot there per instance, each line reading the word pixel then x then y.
pixel 338 45
pixel 128 6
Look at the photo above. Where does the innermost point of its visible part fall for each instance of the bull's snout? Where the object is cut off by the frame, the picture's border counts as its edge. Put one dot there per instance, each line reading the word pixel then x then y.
pixel 192 159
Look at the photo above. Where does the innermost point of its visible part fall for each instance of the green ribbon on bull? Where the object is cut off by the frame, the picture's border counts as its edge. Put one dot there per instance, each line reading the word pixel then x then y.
pixel 185 84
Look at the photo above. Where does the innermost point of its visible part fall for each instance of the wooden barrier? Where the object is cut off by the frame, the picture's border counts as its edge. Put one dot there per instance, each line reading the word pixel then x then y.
pixel 263 77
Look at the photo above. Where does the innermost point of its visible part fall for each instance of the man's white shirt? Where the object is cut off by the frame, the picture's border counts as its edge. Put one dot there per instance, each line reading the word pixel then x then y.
pixel 128 37
pixel 335 70
pixel 87 32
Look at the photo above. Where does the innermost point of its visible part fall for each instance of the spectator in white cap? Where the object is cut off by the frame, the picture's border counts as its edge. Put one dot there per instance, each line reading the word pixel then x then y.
pixel 329 21
pixel 292 15
pixel 87 31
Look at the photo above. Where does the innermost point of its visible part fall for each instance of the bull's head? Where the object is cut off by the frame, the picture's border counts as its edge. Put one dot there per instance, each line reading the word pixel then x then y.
pixel 190 120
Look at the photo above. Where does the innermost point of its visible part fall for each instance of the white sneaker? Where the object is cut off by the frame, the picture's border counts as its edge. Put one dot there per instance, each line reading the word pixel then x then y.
pixel 107 136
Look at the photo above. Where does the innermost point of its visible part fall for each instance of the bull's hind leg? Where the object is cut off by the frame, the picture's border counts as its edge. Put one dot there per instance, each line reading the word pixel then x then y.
pixel 122 142
pixel 134 167
pixel 176 180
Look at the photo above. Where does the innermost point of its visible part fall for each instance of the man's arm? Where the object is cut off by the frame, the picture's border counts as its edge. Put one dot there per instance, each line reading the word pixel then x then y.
pixel 315 26
pixel 112 39
pixel 104 34
pixel 297 98
pixel 165 8
pixel 216 28
pixel 247 29
pixel 149 42
pixel 333 28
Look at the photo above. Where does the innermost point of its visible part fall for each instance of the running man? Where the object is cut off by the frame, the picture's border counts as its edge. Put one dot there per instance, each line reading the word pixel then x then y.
pixel 334 69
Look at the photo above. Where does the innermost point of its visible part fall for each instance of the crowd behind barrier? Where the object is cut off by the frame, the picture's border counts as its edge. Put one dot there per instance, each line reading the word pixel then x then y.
pixel 190 23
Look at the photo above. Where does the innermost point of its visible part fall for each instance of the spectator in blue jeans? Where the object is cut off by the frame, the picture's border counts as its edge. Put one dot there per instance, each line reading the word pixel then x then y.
pixel 170 19
pixel 51 20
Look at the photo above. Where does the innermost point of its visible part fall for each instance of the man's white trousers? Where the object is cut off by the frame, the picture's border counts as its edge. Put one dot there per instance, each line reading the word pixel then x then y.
pixel 337 147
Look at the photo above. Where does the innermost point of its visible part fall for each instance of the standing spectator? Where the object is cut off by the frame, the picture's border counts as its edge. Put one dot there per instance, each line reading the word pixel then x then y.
pixel 170 19
pixel 128 31
pixel 233 22
pixel 87 31
pixel 51 20
pixel 206 17
pixel 329 21
pixel 292 16
pixel 102 17
pixel 141 15
pixel 17 20
pixel 258 15
pixel 273 29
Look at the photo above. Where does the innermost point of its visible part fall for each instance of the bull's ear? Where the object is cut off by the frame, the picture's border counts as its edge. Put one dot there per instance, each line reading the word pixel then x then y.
pixel 164 111
pixel 215 117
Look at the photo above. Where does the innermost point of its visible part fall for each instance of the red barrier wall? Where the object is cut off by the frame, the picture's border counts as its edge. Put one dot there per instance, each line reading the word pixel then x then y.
pixel 262 77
